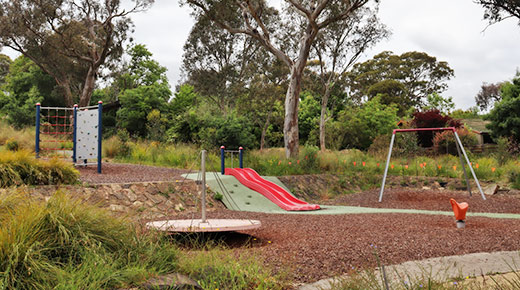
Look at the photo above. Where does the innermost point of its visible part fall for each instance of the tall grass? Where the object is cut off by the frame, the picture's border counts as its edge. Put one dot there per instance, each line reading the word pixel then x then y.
pixel 24 137
pixel 219 268
pixel 65 244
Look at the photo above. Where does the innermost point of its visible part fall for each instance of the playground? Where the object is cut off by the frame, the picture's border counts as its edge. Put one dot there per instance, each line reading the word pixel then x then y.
pixel 349 232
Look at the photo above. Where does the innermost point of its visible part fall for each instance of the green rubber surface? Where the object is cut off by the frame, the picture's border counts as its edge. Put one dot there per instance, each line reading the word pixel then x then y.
pixel 237 196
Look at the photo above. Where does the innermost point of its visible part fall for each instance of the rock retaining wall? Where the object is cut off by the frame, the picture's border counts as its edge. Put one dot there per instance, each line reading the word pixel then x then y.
pixel 147 200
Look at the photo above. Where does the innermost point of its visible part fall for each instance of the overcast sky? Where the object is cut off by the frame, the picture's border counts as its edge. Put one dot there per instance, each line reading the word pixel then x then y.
pixel 452 31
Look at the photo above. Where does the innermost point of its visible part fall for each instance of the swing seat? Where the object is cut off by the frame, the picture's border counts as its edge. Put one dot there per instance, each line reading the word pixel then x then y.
pixel 459 209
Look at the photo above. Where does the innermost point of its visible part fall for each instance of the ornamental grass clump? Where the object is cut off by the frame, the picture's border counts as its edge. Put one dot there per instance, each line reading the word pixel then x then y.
pixel 21 168
pixel 64 243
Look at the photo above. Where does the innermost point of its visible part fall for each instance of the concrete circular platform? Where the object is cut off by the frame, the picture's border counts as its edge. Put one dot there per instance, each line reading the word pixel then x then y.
pixel 211 225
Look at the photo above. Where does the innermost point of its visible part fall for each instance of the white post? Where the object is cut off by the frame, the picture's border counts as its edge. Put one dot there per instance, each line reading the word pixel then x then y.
pixel 469 164
pixel 463 167
pixel 386 167
pixel 203 169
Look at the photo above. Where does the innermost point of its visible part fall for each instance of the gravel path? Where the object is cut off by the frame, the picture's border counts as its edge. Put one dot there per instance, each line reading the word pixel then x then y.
pixel 314 247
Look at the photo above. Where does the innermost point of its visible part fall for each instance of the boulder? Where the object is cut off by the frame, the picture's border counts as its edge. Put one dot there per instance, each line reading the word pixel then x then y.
pixel 490 189
pixel 171 281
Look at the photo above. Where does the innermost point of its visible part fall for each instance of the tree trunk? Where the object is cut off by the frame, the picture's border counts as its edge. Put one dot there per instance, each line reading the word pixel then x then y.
pixel 292 98
pixel 324 105
pixel 324 102
pixel 88 88
pixel 290 125
pixel 264 129
pixel 67 93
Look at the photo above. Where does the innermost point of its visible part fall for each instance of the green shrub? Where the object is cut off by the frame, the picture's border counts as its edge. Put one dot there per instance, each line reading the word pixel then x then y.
pixel 485 169
pixel 445 142
pixel 514 178
pixel 218 196
pixel 359 126
pixel 12 145
pixel 65 244
pixel 309 159
pixel 115 147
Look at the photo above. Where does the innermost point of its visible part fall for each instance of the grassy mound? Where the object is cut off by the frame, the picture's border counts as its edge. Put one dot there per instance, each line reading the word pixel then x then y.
pixel 20 167
pixel 64 244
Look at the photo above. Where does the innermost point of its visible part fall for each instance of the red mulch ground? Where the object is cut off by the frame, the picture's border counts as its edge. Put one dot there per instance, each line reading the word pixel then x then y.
pixel 313 247
pixel 126 173
pixel 431 200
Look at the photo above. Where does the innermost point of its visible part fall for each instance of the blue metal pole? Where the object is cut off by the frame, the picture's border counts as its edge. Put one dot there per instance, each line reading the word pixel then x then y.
pixel 74 126
pixel 240 157
pixel 222 160
pixel 37 145
pixel 100 127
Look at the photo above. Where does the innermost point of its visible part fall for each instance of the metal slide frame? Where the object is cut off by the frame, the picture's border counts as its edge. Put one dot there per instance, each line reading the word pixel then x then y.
pixel 460 149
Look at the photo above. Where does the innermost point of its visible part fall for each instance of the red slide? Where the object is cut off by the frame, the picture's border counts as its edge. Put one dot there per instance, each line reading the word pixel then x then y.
pixel 272 191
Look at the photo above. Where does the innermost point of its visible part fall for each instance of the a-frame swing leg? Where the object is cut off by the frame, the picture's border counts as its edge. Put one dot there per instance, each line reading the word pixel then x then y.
pixel 469 165
pixel 386 167
pixel 463 167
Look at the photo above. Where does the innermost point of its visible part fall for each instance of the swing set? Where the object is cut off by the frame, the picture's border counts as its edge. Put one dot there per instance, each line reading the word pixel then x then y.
pixel 460 150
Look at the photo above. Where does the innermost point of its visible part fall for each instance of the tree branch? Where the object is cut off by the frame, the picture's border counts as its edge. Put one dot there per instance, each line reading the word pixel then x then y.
pixel 354 6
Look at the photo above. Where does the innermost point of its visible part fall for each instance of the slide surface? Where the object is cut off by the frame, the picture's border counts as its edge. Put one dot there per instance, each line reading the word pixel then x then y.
pixel 270 190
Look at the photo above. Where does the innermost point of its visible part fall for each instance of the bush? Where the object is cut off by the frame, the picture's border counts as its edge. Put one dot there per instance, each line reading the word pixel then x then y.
pixel 114 147
pixel 514 178
pixel 405 145
pixel 432 119
pixel 444 142
pixel 360 126
pixel 24 137
pixel 67 244
pixel 505 115
pixel 12 145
